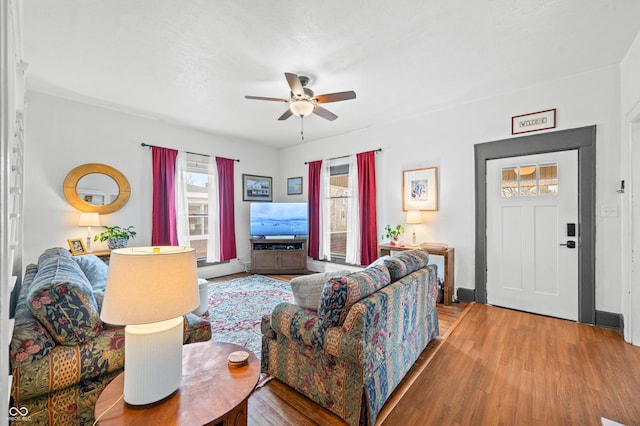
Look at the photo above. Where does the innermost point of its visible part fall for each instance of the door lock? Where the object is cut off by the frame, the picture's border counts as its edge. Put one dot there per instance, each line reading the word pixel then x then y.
pixel 570 244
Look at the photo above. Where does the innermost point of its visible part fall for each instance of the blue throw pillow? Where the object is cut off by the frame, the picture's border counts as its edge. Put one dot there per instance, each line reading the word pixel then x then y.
pixel 94 269
pixel 61 299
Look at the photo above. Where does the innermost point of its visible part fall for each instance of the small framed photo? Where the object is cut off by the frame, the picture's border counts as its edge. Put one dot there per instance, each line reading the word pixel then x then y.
pixel 294 186
pixel 77 246
pixel 533 122
pixel 420 189
pixel 256 188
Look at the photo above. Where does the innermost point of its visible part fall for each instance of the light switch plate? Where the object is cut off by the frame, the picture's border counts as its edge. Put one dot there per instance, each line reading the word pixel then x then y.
pixel 609 210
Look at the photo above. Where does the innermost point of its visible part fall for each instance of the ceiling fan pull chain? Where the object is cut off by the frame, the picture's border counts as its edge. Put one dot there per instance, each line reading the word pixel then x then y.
pixel 302 127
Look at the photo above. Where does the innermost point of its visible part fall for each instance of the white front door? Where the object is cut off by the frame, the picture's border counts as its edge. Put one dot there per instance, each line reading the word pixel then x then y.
pixel 532 202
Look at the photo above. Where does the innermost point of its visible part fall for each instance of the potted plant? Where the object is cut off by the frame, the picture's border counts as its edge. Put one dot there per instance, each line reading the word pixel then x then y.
pixel 118 237
pixel 393 233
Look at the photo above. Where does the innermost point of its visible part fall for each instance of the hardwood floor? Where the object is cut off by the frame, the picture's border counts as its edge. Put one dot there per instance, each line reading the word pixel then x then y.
pixel 494 366
pixel 510 367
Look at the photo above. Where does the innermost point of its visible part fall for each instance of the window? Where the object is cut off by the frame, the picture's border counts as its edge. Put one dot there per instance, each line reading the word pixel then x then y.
pixel 530 180
pixel 197 180
pixel 339 200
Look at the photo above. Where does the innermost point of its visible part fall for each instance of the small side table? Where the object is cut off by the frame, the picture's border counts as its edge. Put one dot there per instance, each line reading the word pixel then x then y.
pixel 211 392
pixel 449 264
pixel 104 255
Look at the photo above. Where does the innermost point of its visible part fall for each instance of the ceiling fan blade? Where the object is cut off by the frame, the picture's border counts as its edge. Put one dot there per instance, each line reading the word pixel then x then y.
pixel 285 115
pixel 335 97
pixel 261 98
pixel 294 84
pixel 324 113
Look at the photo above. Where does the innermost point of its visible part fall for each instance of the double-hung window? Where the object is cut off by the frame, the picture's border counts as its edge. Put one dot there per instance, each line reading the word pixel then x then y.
pixel 339 200
pixel 197 194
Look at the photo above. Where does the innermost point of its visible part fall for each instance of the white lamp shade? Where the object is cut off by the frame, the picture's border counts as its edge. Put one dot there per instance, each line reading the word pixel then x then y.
pixel 301 108
pixel 89 219
pixel 414 216
pixel 150 284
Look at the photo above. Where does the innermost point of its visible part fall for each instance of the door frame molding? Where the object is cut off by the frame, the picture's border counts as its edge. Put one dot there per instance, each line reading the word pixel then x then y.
pixel 584 140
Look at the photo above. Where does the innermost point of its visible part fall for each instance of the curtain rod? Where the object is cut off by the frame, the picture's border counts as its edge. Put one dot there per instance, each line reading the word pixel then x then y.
pixel 345 156
pixel 188 152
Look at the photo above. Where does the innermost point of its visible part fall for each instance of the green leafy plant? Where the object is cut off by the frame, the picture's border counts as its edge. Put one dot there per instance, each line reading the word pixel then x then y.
pixel 392 233
pixel 115 232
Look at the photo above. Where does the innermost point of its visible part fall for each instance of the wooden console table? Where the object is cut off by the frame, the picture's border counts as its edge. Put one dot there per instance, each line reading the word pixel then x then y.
pixel 449 264
pixel 278 256
pixel 211 392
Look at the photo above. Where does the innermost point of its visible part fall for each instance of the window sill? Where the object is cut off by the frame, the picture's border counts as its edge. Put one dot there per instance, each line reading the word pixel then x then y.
pixel 201 263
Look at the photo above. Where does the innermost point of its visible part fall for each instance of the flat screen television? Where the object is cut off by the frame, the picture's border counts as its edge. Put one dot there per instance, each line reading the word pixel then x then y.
pixel 275 219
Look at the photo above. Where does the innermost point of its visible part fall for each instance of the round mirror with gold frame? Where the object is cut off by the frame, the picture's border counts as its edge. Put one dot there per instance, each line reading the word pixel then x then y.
pixel 96 187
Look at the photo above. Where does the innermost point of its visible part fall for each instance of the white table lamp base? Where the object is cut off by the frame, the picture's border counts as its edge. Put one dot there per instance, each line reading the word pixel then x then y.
pixel 153 361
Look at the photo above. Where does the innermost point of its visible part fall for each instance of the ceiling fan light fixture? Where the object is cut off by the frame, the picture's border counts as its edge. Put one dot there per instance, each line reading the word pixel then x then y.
pixel 301 107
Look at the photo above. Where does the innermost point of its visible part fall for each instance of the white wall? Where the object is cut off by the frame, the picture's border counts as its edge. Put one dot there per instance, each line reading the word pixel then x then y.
pixel 63 134
pixel 446 138
pixel 630 146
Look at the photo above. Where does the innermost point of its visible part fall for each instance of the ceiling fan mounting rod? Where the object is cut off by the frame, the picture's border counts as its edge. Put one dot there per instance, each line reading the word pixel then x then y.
pixel 304 80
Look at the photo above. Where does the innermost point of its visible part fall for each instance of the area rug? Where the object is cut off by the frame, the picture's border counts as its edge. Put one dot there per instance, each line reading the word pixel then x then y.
pixel 236 308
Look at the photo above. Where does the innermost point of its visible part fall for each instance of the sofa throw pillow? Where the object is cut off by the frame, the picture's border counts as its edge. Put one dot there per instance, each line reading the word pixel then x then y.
pixel 340 293
pixel 406 262
pixel 307 289
pixel 94 269
pixel 61 299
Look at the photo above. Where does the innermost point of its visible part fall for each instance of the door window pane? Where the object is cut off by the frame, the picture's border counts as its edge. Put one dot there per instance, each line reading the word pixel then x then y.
pixel 509 182
pixel 528 180
pixel 549 179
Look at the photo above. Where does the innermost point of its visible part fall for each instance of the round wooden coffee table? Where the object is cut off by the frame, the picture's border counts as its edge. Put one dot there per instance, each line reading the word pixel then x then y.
pixel 211 392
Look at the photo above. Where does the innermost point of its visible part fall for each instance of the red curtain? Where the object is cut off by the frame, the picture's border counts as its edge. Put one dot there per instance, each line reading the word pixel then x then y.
pixel 367 204
pixel 227 211
pixel 163 221
pixel 314 208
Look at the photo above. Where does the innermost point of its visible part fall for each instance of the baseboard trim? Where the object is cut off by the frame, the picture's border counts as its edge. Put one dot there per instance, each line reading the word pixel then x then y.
pixel 610 320
pixel 466 294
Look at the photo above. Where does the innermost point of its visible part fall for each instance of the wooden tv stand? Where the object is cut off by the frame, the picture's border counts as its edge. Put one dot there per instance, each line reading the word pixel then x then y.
pixel 279 256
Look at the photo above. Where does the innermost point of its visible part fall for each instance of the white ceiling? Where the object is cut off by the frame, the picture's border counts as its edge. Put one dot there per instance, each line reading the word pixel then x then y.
pixel 192 62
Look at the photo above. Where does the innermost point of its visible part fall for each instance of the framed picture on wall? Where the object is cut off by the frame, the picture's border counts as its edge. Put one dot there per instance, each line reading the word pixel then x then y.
pixel 420 189
pixel 77 246
pixel 294 186
pixel 256 188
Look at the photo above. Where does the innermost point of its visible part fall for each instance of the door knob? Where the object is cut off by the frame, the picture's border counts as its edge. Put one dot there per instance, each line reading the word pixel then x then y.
pixel 570 244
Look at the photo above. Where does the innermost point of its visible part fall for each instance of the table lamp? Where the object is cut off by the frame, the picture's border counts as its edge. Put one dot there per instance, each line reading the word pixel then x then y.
pixel 414 217
pixel 89 219
pixel 148 290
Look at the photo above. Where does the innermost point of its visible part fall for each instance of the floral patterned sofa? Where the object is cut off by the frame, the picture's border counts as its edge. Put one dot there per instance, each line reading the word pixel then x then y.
pixel 371 326
pixel 62 355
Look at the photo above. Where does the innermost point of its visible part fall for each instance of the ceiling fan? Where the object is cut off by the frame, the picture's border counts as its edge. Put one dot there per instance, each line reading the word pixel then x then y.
pixel 303 101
